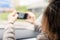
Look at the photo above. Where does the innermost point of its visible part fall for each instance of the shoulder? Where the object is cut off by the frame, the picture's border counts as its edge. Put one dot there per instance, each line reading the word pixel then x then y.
pixel 42 36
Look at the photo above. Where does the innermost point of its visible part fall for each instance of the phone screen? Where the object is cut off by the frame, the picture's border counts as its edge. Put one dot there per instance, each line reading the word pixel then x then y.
pixel 22 15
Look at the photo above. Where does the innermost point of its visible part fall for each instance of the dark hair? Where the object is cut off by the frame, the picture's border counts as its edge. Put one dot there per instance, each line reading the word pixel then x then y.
pixel 52 17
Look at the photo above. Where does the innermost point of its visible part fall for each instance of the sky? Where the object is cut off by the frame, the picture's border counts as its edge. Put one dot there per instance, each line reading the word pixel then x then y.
pixel 27 2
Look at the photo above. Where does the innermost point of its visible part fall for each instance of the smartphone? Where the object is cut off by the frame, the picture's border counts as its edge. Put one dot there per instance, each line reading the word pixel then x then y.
pixel 22 15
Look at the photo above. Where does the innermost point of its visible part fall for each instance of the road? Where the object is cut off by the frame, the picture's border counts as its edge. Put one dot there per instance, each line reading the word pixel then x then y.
pixel 18 25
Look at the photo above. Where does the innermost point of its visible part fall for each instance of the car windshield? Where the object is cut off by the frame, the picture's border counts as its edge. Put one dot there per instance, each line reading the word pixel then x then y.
pixel 7 6
pixel 35 7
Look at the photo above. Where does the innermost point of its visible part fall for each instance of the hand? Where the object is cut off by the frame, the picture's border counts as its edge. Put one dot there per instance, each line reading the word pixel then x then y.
pixel 12 17
pixel 31 17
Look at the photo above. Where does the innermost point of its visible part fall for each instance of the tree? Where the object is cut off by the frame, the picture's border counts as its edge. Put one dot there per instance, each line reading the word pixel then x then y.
pixel 21 8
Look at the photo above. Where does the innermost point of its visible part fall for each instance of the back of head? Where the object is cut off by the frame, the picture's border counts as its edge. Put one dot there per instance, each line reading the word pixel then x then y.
pixel 52 26
pixel 53 1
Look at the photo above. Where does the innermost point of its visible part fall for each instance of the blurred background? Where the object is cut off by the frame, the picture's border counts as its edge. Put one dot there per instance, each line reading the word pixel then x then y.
pixel 7 7
pixel 35 6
